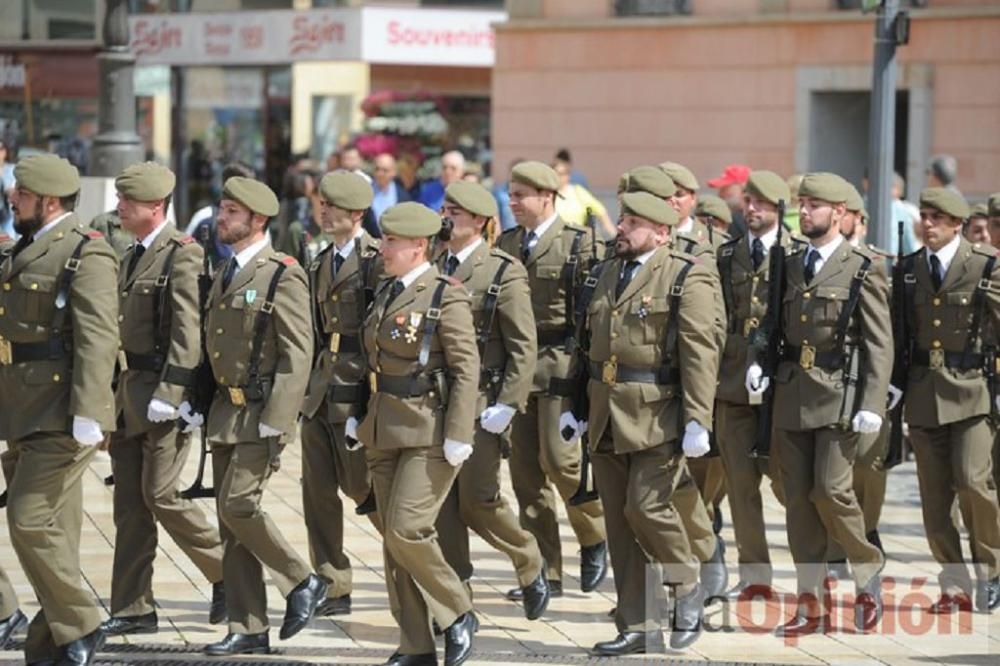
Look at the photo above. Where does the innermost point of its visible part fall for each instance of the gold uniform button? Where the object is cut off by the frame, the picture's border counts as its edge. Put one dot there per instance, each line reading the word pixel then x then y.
pixel 807 295
pixel 55 378
pixel 6 286
pixel 804 318
pixel 614 335
pixel 334 320
pixel 222 306
pixel 756 279
pixel 755 300
pixel 937 301
pixel 334 298
pixel 936 344
pixel 965 301
pixel 937 322
pixel 215 354
pixel 613 358
pixel 121 317
pixel 805 342
pixel 219 331
pixel 3 310
pixel 124 294
pixel 222 380
pixel 614 313
pixel 34 286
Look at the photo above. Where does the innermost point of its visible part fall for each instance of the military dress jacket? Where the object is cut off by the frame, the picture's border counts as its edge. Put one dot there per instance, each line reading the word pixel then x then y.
pixel 546 280
pixel 939 390
pixel 511 349
pixel 75 380
pixel 286 349
pixel 394 334
pixel 809 396
pixel 339 311
pixel 700 234
pixel 156 310
pixel 629 334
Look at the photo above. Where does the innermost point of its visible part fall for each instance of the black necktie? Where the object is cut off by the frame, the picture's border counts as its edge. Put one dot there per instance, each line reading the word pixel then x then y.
pixel 22 242
pixel 338 261
pixel 529 238
pixel 227 275
pixel 137 253
pixel 394 291
pixel 628 272
pixel 451 265
pixel 756 253
pixel 937 272
pixel 810 271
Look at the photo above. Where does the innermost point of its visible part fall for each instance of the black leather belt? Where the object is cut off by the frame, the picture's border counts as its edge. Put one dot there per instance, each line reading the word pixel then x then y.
pixel 53 349
pixel 939 358
pixel 155 362
pixel 554 338
pixel 345 344
pixel 345 393
pixel 809 357
pixel 250 392
pixel 405 386
pixel 611 372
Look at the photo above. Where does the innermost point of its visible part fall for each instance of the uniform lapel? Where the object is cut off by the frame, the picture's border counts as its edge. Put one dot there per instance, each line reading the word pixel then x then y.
pixel 642 276
pixel 545 242
pixel 958 267
pixel 741 255
pixel 473 262
pixel 834 265
pixel 41 246
pixel 148 258
pixel 409 294
pixel 247 273
pixel 923 272
pixel 350 265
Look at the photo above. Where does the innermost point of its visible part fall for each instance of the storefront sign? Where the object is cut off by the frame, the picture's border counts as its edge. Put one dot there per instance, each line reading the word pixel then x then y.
pixel 429 36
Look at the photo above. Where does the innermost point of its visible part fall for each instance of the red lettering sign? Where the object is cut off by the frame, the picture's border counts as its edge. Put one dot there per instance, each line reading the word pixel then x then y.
pixel 401 35
pixel 151 37
pixel 309 35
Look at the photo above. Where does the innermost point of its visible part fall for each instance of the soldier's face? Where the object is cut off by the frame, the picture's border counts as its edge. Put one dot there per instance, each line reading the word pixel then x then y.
pixel 995 230
pixel 978 230
pixel 334 220
pixel 401 255
pixel 637 235
pixel 235 222
pixel 529 205
pixel 760 214
pixel 849 224
pixel 28 211
pixel 817 217
pixel 683 201
pixel 137 217
pixel 939 228
pixel 465 225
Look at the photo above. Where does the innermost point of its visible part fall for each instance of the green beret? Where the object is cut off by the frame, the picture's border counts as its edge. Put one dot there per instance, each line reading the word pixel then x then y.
pixel 410 220
pixel 979 210
pixel 946 201
pixel 147 181
pixel 647 179
pixel 855 203
pixel 649 207
pixel 253 194
pixel 346 190
pixel 473 197
pixel 537 175
pixel 994 204
pixel 681 175
pixel 825 187
pixel 47 175
pixel 712 206
pixel 769 186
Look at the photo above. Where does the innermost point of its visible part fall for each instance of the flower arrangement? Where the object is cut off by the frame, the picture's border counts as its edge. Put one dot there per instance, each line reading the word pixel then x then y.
pixel 404 122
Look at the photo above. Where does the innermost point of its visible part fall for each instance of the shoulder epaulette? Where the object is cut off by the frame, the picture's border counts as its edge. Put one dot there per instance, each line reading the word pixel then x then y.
pixel 985 250
pixel 183 240
pixel 879 251
pixel 684 256
pixel 510 231
pixel 731 242
pixel 500 254
pixel 92 234
pixel 576 228
pixel 4 238
pixel 288 260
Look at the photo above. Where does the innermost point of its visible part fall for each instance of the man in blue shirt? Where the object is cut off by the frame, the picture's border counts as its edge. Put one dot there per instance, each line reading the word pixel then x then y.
pixel 452 168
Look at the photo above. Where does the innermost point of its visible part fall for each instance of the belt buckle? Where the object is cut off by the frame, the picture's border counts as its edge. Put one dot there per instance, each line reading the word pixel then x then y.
pixel 6 352
pixel 609 372
pixel 807 359
pixel 936 360
pixel 334 342
pixel 749 325
pixel 237 396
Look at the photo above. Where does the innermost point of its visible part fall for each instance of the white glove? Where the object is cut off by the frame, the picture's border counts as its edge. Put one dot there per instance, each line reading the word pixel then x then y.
pixel 866 422
pixel 193 420
pixel 267 431
pixel 495 419
pixel 568 425
pixel 160 411
pixel 756 383
pixel 456 452
pixel 87 431
pixel 895 395
pixel 351 434
pixel 695 442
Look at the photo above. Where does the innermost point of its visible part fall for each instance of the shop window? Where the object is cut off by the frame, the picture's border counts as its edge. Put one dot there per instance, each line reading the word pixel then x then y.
pixel 652 7
pixel 42 20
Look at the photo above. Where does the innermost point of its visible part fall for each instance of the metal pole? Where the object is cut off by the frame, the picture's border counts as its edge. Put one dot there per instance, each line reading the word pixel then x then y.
pixel 882 139
pixel 178 131
pixel 116 144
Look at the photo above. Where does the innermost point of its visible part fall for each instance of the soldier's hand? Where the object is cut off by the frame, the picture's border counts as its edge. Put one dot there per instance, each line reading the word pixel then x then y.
pixel 695 442
pixel 756 383
pixel 160 411
pixel 193 420
pixel 351 434
pixel 266 431
pixel 569 428
pixel 895 395
pixel 456 453
pixel 866 422
pixel 87 431
pixel 496 418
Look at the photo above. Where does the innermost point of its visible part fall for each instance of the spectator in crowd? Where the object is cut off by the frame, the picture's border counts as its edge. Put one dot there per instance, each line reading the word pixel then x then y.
pixel 575 175
pixel 943 172
pixel 333 161
pixel 500 193
pixel 452 170
pixel 977 228
pixel 388 190
pixel 904 211
pixel 575 204
pixel 407 165
pixel 730 187
pixel 7 183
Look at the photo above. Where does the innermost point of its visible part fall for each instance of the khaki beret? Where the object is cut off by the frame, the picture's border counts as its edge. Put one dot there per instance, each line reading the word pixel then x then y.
pixel 825 186
pixel 346 190
pixel 855 203
pixel 769 186
pixel 946 201
pixel 410 220
pixel 47 175
pixel 712 206
pixel 649 207
pixel 647 179
pixel 146 181
pixel 253 194
pixel 681 175
pixel 535 174
pixel 979 210
pixel 993 204
pixel 473 197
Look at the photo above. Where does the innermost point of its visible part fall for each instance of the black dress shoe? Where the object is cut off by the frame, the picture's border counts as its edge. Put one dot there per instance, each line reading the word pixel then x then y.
pixel 130 624
pixel 630 642
pixel 714 576
pixel 868 605
pixel 368 506
pixel 240 644
pixel 555 590
pixel 458 639
pixel 427 659
pixel 334 606
pixel 987 595
pixel 717 519
pixel 301 605
pixel 536 596
pixel 688 613
pixel 593 565
pixel 217 613
pixel 951 603
pixel 800 625
pixel 875 539
pixel 82 651
pixel 747 591
pixel 16 620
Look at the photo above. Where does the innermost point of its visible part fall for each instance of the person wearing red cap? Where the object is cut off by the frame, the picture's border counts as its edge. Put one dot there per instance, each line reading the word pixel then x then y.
pixel 730 186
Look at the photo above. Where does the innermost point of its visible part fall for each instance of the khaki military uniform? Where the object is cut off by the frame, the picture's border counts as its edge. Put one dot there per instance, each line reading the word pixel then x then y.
pixel 73 333
pixel 508 366
pixel 948 408
pixel 243 461
pixel 403 432
pixel 147 458
pixel 636 424
pixel 110 225
pixel 811 420
pixel 539 456
pixel 335 394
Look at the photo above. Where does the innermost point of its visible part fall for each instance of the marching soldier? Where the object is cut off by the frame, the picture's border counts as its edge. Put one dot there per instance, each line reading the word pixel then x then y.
pixel 556 256
pixel 419 339
pixel 110 225
pixel 342 280
pixel 12 617
pixel 977 228
pixel 259 341
pixel 715 214
pixel 690 230
pixel 505 336
pixel 160 328
pixel 744 267
pixel 831 388
pixel 951 296
pixel 653 357
pixel 58 339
